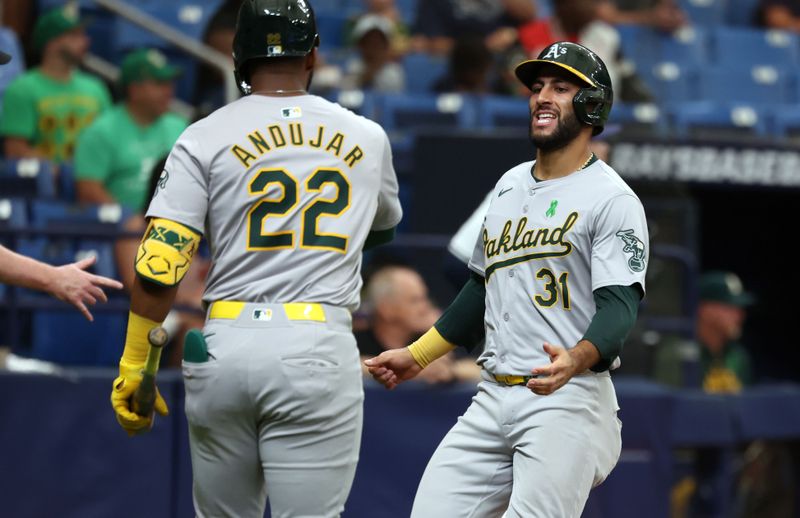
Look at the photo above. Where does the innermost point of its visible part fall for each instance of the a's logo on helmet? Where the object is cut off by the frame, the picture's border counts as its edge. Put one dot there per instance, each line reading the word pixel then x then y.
pixel 555 52
pixel 274 38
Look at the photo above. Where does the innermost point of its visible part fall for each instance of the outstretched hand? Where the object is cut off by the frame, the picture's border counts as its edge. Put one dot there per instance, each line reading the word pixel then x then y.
pixel 390 368
pixel 554 376
pixel 71 283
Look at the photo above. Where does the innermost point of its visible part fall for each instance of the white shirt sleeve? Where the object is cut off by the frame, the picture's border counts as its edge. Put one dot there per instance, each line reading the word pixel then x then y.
pixel 182 192
pixel 621 243
pixel 389 211
pixel 462 244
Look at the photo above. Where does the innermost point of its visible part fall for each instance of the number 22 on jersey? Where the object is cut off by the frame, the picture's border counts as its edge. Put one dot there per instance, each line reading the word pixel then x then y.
pixel 310 236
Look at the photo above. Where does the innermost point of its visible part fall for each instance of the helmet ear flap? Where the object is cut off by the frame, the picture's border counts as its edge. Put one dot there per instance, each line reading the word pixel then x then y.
pixel 598 113
pixel 243 85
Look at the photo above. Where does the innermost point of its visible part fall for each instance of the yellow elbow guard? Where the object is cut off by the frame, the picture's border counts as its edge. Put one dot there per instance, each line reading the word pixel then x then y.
pixel 166 251
pixel 430 347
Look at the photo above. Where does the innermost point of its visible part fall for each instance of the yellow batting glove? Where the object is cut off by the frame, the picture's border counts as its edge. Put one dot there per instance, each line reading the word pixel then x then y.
pixel 130 376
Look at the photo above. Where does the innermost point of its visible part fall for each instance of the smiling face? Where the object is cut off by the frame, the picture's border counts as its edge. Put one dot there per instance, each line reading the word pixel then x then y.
pixel 553 120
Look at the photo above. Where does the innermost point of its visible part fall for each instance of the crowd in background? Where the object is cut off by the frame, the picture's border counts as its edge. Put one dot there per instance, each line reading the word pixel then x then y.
pixel 59 112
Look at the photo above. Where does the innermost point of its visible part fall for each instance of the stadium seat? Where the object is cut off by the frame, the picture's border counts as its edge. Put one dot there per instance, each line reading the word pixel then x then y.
pixel 327 6
pixel 639 117
pixel 688 46
pixel 407 112
pixel 504 112
pixel 741 12
pixel 408 10
pixel 331 27
pixel 67 338
pixel 187 16
pixel 786 122
pixel 13 214
pixel 63 335
pixel 28 177
pixel 423 71
pixel 86 219
pixel 737 46
pixel 758 85
pixel 670 80
pixel 707 118
pixel 639 43
pixel 704 12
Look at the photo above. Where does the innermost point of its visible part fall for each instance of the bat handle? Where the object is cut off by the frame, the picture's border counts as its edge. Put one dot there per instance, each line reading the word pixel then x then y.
pixel 144 398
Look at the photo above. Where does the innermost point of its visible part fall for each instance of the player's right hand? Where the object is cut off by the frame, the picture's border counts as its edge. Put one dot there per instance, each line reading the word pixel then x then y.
pixel 130 376
pixel 390 368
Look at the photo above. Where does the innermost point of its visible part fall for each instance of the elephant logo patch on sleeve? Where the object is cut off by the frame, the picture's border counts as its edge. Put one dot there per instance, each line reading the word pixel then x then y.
pixel 634 246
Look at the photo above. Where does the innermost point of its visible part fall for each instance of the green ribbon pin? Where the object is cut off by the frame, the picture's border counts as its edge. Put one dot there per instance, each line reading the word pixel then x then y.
pixel 552 210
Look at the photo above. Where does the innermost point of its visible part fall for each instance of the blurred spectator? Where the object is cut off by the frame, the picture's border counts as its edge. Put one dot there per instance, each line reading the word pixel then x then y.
pixel 715 360
pixel 46 108
pixel 373 68
pixel 719 363
pixel 470 68
pixel 116 153
pixel 664 15
pixel 209 89
pixel 398 36
pixel 579 21
pixel 780 14
pixel 440 23
pixel 397 300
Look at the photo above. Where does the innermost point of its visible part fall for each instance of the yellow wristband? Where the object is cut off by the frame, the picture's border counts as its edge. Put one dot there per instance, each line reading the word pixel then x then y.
pixel 136 344
pixel 430 347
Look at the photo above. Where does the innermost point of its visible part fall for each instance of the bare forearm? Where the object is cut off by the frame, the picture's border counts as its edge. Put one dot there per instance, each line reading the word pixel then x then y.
pixel 15 147
pixel 585 355
pixel 23 271
pixel 150 300
pixel 781 18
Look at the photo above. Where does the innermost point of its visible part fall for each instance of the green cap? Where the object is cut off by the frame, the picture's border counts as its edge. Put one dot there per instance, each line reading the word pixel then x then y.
pixel 144 64
pixel 54 23
pixel 725 287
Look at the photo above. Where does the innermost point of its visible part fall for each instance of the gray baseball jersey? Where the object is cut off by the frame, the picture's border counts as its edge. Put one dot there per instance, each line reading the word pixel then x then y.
pixel 285 198
pixel 544 248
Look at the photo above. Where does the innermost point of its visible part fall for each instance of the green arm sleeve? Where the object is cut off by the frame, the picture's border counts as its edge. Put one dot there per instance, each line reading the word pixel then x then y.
pixel 19 113
pixel 617 307
pixel 462 322
pixel 379 237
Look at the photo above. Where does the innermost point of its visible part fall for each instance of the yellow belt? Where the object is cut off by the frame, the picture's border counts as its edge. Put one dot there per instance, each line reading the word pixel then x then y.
pixel 504 379
pixel 231 309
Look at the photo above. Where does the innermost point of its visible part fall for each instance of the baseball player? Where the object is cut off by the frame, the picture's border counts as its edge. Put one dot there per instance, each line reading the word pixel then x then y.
pixel 288 188
pixel 557 276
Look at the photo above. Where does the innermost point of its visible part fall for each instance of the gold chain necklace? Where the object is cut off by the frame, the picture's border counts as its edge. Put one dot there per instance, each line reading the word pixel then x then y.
pixel 591 156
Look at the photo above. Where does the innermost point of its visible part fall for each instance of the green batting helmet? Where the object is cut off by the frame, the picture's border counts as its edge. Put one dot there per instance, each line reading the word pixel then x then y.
pixel 272 29
pixel 586 66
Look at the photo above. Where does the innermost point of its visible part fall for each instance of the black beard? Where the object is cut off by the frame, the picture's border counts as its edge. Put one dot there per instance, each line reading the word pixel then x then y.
pixel 567 130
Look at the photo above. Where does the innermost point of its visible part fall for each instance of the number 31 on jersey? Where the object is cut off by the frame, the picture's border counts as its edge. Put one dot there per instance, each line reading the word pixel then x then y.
pixel 310 236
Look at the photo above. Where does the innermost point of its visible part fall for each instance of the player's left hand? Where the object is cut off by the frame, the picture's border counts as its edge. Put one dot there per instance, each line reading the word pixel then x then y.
pixel 130 376
pixel 553 376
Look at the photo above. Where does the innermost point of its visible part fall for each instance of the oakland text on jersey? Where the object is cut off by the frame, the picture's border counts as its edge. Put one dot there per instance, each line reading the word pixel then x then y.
pixel 277 136
pixel 525 238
